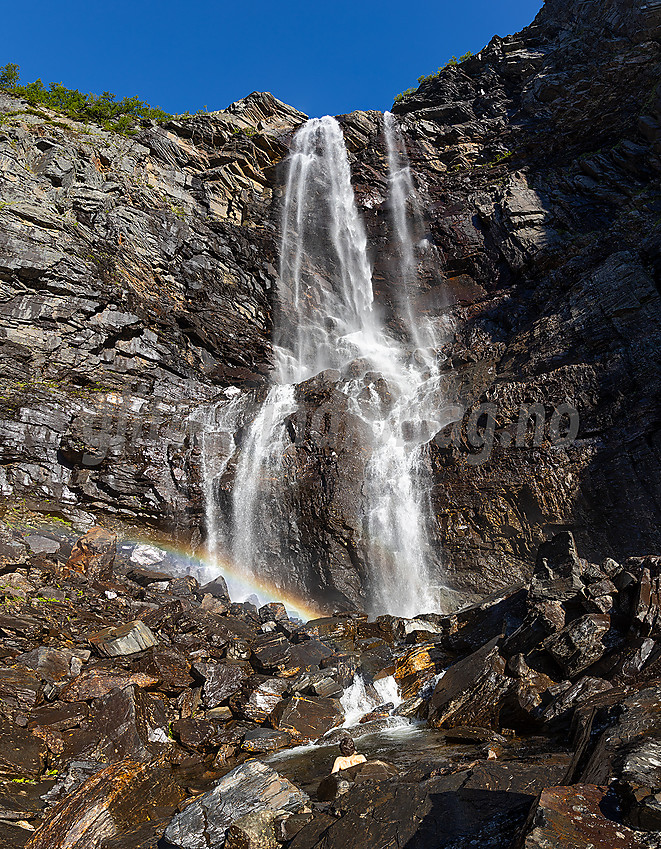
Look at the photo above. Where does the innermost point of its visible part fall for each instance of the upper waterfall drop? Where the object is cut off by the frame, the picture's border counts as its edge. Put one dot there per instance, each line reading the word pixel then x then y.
pixel 326 316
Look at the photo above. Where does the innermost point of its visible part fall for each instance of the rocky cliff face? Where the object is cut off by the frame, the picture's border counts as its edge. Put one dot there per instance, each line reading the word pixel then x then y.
pixel 138 279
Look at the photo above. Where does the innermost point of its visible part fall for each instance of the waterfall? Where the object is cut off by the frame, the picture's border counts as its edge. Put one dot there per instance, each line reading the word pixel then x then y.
pixel 326 319
pixel 360 698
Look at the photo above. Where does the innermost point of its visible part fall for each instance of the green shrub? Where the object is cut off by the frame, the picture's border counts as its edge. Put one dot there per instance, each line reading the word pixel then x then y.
pixel 119 116
pixel 451 63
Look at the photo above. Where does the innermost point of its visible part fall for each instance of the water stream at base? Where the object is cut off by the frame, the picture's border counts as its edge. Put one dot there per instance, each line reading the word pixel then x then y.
pixel 326 320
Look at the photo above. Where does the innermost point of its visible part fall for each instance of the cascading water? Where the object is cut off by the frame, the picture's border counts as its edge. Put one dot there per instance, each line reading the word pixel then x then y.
pixel 326 320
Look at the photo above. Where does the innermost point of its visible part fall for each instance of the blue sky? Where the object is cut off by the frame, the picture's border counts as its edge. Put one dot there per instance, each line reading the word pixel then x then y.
pixel 323 58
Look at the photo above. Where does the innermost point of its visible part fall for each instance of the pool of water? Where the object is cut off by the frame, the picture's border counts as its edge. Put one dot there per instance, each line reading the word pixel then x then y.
pixel 404 745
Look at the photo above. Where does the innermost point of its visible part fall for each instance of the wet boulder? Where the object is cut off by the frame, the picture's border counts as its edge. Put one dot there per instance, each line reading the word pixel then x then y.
pixel 216 588
pixel 306 718
pixel 579 644
pixel 377 660
pixel 568 696
pixel 264 740
pixel 221 680
pixel 271 652
pixel 417 667
pixel 485 805
pixel 627 752
pixel 499 613
pixel 344 665
pixel 472 691
pixel 93 555
pixel 340 782
pixel 131 638
pixel 544 619
pixel 248 788
pixel 258 697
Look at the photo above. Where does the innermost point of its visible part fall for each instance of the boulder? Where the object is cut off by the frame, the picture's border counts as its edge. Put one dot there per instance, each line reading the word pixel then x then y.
pixel 472 691
pixel 127 723
pixel 579 644
pixel 248 788
pixel 340 782
pixel 255 830
pixel 344 665
pixel 123 640
pixel 271 652
pixel 258 697
pixel 22 754
pixel 572 817
pixel 221 680
pixel 485 805
pixel 474 625
pixel 569 696
pixel 53 665
pixel 557 575
pixel 93 555
pixel 195 734
pixel 273 612
pixel 100 681
pixel 105 805
pixel 216 588
pixel 307 719
pixel 417 667
pixel 627 752
pixel 169 667
pixel 15 585
pixel 263 740
pixel 145 576
pixel 20 688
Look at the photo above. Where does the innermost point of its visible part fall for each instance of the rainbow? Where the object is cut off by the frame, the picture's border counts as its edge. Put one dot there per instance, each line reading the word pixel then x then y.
pixel 205 566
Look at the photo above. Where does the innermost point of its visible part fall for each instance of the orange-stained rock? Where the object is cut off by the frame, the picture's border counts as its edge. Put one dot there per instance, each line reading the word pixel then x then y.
pixel 98 682
pixel 114 799
pixel 94 554
pixel 418 666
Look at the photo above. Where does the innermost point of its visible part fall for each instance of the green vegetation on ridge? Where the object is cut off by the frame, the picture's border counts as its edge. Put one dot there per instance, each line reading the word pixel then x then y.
pixel 451 63
pixel 119 116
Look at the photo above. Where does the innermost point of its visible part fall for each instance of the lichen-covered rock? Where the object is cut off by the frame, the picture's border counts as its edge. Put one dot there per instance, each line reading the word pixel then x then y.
pixel 568 817
pixel 106 804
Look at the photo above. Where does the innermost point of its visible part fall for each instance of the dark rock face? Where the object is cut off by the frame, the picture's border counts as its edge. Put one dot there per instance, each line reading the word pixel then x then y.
pixel 530 158
pixel 118 796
